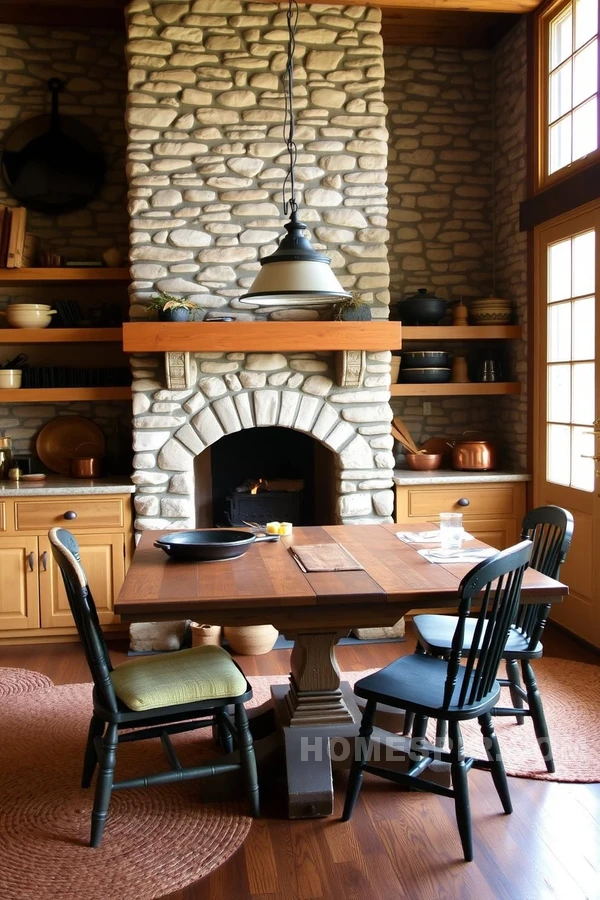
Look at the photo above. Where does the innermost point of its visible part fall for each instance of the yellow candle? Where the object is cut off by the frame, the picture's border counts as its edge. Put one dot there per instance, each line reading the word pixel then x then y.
pixel 273 527
pixel 285 528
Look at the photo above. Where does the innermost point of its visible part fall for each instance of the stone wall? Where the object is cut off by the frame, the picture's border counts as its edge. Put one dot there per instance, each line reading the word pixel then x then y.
pixel 206 164
pixel 22 421
pixel 91 62
pixel 510 189
pixel 441 187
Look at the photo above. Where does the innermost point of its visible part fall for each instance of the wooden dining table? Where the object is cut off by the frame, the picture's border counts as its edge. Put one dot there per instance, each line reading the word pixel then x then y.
pixel 314 610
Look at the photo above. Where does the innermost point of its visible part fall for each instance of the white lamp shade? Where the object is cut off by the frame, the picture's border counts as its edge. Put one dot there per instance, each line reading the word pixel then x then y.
pixel 306 280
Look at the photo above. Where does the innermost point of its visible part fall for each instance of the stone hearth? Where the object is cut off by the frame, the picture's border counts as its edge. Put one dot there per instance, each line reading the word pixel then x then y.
pixel 206 164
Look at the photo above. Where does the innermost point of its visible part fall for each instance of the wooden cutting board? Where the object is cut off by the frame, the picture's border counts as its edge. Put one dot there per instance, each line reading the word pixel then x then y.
pixel 324 558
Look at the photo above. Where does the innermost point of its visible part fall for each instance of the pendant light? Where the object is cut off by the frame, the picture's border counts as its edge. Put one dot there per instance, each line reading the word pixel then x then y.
pixel 295 274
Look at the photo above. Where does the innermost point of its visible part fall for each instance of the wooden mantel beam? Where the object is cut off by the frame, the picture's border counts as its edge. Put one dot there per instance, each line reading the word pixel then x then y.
pixel 109 10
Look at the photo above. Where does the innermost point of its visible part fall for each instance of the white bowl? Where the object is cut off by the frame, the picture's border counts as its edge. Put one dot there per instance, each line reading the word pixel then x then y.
pixel 32 306
pixel 27 318
pixel 10 378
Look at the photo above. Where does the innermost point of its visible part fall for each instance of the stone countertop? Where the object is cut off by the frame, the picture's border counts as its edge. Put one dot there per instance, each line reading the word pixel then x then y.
pixel 54 485
pixel 408 477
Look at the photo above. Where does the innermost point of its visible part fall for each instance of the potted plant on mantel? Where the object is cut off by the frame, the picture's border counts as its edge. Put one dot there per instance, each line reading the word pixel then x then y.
pixel 352 310
pixel 171 309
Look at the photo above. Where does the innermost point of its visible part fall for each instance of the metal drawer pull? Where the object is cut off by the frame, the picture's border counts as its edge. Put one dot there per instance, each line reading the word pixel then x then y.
pixel 31 560
pixel 70 514
pixel 463 501
pixel 45 561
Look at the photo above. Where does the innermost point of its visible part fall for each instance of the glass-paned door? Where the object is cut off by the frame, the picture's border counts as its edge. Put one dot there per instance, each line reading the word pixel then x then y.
pixel 567 433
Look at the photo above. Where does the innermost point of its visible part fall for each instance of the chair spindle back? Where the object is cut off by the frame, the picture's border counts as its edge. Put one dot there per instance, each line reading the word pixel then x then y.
pixel 551 530
pixel 500 579
pixel 65 550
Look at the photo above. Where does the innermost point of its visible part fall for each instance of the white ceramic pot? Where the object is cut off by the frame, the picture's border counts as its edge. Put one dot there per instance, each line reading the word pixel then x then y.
pixel 10 378
pixel 26 317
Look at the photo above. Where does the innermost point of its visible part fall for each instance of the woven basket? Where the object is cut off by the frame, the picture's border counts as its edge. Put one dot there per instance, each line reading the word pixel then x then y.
pixel 205 634
pixel 251 640
pixel 378 634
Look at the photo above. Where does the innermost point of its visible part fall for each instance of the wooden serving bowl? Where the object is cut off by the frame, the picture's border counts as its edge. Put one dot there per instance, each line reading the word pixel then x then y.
pixel 423 462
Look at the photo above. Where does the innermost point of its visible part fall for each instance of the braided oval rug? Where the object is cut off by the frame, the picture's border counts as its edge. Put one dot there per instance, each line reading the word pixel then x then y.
pixel 157 840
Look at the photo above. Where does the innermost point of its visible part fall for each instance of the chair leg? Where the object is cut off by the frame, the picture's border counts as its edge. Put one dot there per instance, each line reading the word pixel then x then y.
pixel 90 759
pixel 418 736
pixel 441 731
pixel 492 748
pixel 462 806
pixel 108 754
pixel 537 714
pixel 224 735
pixel 409 717
pixel 356 770
pixel 247 759
pixel 512 673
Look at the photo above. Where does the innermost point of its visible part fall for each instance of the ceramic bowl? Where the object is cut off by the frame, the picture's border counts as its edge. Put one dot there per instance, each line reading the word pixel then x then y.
pixel 10 378
pixel 28 318
pixel 422 462
pixel 425 376
pixel 424 359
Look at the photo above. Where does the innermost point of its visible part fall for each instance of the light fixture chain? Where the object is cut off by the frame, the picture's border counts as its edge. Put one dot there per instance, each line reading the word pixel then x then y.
pixel 290 206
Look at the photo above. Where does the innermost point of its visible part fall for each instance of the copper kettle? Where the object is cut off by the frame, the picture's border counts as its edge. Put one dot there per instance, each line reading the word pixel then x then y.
pixel 473 453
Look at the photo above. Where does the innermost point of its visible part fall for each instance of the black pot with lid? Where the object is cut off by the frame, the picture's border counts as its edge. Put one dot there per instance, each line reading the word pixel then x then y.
pixel 422 308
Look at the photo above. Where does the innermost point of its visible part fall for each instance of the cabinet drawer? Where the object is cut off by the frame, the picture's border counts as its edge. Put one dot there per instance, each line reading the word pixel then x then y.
pixel 90 512
pixel 484 500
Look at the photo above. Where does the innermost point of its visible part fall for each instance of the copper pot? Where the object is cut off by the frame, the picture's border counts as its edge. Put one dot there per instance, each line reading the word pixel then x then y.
pixel 475 454
pixel 81 466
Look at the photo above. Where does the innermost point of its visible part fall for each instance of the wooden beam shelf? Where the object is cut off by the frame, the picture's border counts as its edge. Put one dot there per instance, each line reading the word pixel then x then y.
pixel 32 275
pixel 269 337
pixel 60 335
pixel 451 389
pixel 461 332
pixel 47 395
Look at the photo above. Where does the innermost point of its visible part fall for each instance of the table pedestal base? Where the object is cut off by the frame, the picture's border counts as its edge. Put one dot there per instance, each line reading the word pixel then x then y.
pixel 315 696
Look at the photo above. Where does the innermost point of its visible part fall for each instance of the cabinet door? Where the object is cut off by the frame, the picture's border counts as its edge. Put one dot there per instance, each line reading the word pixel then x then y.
pixel 103 560
pixel 19 594
pixel 499 533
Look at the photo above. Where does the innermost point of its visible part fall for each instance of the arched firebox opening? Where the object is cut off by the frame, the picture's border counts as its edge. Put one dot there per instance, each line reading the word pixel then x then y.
pixel 265 474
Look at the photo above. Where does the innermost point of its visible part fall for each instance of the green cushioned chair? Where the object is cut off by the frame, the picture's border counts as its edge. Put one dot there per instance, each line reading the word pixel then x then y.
pixel 153 696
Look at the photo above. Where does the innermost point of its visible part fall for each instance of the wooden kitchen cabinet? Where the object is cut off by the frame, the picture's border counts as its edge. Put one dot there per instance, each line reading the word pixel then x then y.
pixel 33 601
pixel 491 512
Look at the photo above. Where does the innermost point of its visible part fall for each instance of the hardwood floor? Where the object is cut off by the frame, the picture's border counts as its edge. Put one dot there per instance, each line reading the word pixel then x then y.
pixel 397 845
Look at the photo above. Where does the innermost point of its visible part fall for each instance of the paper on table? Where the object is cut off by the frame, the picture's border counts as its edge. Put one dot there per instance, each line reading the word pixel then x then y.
pixel 324 558
pixel 457 556
pixel 426 537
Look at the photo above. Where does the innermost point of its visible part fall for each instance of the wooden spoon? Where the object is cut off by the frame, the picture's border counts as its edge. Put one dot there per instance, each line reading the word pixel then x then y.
pixel 400 428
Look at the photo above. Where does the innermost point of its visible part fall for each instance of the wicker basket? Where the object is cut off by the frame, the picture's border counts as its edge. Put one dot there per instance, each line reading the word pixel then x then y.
pixel 378 634
pixel 251 640
pixel 205 634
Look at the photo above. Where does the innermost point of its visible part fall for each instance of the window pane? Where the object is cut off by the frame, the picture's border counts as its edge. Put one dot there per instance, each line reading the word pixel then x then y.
pixel 585 73
pixel 559 454
pixel 583 329
pixel 560 144
pixel 582 469
pixel 561 39
pixel 584 264
pixel 586 21
pixel 559 393
pixel 559 271
pixel 583 394
pixel 560 91
pixel 559 332
pixel 585 128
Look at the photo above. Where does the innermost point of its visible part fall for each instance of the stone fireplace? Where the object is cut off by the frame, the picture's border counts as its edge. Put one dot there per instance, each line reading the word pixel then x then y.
pixel 206 164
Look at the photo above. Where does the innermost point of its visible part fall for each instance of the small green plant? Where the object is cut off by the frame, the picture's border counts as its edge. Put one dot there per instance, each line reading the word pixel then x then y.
pixel 352 310
pixel 163 302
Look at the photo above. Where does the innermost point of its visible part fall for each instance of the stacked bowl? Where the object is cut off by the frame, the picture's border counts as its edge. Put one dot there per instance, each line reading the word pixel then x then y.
pixel 425 367
pixel 29 315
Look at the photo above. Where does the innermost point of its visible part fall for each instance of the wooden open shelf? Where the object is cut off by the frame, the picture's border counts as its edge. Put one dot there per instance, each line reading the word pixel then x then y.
pixel 31 275
pixel 452 389
pixel 47 395
pixel 271 337
pixel 461 332
pixel 60 335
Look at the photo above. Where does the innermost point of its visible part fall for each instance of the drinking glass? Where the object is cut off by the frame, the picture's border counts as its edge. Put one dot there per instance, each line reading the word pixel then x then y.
pixel 451 531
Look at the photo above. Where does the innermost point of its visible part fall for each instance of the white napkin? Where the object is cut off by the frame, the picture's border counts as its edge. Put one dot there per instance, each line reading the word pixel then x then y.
pixel 425 537
pixel 457 556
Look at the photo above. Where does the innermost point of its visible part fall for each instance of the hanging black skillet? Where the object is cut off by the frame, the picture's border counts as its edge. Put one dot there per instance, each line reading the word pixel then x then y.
pixel 53 164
